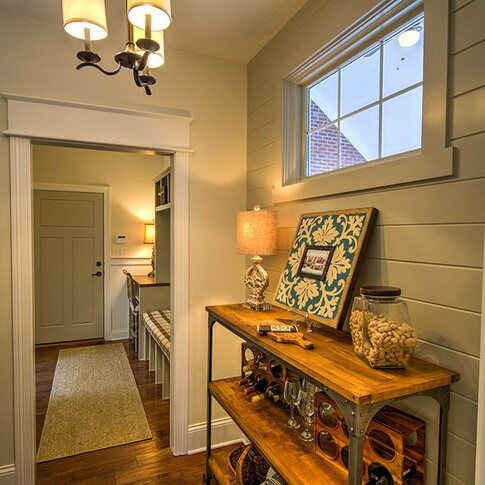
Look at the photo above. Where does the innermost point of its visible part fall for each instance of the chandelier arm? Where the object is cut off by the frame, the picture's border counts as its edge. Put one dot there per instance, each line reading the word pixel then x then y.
pixel 143 61
pixel 136 77
pixel 99 68
pixel 148 91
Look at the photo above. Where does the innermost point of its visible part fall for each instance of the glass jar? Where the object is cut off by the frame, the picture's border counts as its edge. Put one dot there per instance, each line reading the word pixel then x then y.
pixel 356 324
pixel 388 338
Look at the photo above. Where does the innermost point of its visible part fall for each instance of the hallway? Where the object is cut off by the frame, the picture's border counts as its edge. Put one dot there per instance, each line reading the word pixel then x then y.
pixel 145 462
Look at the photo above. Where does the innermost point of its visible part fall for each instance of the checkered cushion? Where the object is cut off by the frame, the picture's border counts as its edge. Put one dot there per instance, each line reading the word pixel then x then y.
pixel 158 325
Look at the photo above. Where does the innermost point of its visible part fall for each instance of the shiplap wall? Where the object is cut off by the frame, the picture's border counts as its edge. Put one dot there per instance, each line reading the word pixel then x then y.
pixel 428 238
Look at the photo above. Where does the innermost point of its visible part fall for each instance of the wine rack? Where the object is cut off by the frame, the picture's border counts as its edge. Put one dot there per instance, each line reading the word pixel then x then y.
pixel 394 440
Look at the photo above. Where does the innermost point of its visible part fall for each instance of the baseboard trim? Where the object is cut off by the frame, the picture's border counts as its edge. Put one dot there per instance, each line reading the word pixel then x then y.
pixel 7 475
pixel 224 433
pixel 118 335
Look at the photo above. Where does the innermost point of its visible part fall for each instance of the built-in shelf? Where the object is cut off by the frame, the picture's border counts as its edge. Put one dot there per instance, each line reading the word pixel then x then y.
pixel 263 423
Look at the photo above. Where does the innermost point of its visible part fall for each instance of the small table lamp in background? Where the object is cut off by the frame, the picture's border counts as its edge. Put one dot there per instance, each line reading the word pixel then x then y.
pixel 150 239
pixel 256 235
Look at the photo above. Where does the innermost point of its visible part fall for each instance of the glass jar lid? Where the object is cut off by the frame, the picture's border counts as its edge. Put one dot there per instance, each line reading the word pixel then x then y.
pixel 375 291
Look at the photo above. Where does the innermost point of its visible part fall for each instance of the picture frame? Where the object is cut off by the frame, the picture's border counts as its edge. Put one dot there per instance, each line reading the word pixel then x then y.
pixel 315 261
pixel 323 294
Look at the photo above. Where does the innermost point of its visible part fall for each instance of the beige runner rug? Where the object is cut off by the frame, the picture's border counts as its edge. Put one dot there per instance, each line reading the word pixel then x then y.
pixel 94 403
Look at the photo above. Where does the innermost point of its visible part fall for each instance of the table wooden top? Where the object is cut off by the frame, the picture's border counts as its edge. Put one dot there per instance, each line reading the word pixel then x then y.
pixel 145 280
pixel 333 362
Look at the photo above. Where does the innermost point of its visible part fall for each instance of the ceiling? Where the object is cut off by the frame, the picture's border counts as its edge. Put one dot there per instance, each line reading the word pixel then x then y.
pixel 230 29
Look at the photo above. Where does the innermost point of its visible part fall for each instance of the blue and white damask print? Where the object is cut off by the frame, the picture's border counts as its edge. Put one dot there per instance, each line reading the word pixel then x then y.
pixel 325 299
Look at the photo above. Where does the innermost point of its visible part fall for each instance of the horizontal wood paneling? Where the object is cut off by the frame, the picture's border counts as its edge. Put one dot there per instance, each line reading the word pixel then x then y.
pixel 467 367
pixel 468 26
pixel 263 177
pixel 261 197
pixel 261 158
pixel 443 285
pixel 458 245
pixel 261 116
pixel 261 137
pixel 449 327
pixel 468 69
pixel 261 95
pixel 468 113
pixel 444 203
pixel 470 156
pixel 456 4
pixel 428 238
pixel 462 419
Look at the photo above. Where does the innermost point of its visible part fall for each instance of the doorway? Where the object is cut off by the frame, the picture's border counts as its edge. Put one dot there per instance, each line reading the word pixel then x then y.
pixel 41 119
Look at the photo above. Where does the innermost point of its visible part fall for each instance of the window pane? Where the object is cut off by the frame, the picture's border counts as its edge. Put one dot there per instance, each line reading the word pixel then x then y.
pixel 324 101
pixel 359 140
pixel 403 66
pixel 323 150
pixel 401 123
pixel 360 81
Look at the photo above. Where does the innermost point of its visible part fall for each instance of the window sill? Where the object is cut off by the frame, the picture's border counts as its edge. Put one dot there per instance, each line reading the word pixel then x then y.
pixel 424 165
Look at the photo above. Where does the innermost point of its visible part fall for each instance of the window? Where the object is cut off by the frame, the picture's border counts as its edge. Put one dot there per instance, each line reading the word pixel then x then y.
pixel 370 107
pixel 381 117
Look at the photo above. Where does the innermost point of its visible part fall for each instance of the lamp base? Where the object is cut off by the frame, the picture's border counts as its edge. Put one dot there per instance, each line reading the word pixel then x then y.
pixel 151 274
pixel 256 280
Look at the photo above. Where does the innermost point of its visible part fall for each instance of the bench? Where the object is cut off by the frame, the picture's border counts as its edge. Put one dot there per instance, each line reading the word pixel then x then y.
pixel 155 342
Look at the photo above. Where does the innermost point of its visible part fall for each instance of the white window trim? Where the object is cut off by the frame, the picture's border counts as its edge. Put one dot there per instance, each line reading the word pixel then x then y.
pixel 433 160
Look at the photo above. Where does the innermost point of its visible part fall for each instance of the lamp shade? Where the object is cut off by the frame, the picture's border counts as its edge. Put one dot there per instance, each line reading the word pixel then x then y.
pixel 149 234
pixel 159 10
pixel 408 38
pixel 155 59
pixel 256 232
pixel 85 14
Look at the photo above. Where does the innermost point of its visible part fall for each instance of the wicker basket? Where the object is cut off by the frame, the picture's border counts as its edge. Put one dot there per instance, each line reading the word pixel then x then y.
pixel 248 465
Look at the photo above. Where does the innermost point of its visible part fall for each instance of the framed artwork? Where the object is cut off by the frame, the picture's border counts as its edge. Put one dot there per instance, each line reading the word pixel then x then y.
pixel 315 262
pixel 320 273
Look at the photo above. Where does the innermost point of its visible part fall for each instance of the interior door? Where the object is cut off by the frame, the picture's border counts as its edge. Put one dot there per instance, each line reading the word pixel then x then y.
pixel 69 267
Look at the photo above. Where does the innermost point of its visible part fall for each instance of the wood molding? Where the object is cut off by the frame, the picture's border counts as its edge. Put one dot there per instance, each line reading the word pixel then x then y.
pixel 23 308
pixel 224 432
pixel 179 365
pixel 26 118
pixel 106 191
pixel 7 475
pixel 480 446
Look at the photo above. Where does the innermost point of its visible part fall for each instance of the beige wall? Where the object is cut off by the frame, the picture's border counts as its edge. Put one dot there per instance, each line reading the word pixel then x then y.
pixel 214 92
pixel 429 236
pixel 128 174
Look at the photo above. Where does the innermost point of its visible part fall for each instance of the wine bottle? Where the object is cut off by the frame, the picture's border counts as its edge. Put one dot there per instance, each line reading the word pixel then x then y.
pixel 258 386
pixel 272 393
pixel 247 380
pixel 379 475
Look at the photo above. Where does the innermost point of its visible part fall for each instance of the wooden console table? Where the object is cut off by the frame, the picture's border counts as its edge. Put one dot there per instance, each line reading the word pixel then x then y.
pixel 332 365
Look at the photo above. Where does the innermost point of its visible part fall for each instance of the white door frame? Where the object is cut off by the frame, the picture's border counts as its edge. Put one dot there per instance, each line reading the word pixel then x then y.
pixel 40 119
pixel 106 191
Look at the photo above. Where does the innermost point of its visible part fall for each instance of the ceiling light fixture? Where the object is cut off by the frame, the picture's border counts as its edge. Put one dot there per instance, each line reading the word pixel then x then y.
pixel 86 20
pixel 409 37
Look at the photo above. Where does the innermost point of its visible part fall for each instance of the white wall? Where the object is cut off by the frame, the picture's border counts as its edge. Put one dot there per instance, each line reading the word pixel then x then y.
pixel 428 238
pixel 213 91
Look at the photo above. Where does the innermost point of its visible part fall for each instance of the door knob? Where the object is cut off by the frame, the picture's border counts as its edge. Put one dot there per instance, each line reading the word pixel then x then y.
pixel 98 273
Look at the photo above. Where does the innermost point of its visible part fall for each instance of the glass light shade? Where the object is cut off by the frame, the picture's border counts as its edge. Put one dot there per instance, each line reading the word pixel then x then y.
pixel 408 38
pixel 155 59
pixel 85 14
pixel 256 232
pixel 160 11
pixel 149 234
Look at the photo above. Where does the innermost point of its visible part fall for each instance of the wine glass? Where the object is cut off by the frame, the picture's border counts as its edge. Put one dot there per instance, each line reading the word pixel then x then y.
pixel 292 397
pixel 306 406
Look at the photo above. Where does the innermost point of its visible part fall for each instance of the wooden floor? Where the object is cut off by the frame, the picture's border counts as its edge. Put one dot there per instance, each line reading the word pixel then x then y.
pixel 144 463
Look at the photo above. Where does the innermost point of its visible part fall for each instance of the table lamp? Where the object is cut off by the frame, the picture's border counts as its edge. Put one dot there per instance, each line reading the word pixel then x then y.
pixel 256 235
pixel 150 239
